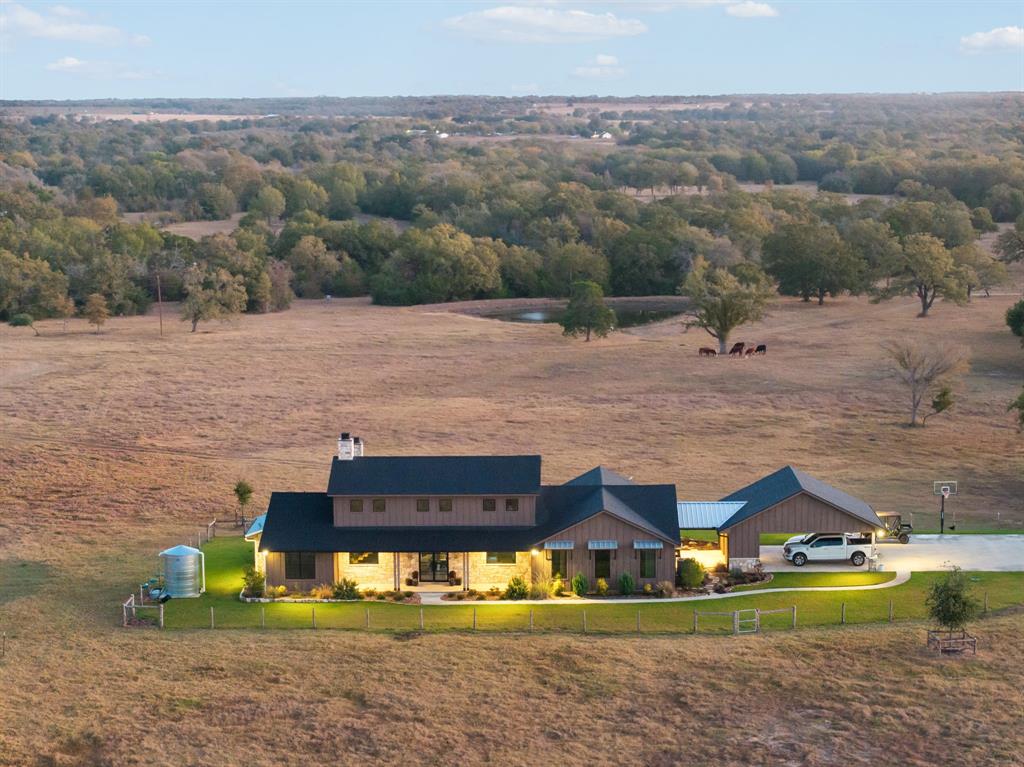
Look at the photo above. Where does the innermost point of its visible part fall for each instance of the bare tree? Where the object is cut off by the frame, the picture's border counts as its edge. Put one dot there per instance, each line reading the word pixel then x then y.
pixel 923 369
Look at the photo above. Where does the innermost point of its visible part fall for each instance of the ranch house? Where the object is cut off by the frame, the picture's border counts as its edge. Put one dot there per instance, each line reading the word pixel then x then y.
pixel 462 522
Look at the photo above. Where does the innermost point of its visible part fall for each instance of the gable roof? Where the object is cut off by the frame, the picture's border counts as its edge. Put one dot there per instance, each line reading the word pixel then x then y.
pixel 436 475
pixel 648 507
pixel 787 482
pixel 600 475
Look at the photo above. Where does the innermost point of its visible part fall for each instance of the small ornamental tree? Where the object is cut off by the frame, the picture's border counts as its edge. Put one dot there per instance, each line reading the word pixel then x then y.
pixel 586 312
pixel 517 588
pixel 253 581
pixel 923 370
pixel 626 584
pixel 243 493
pixel 950 602
pixel 691 573
pixel 96 310
pixel 580 585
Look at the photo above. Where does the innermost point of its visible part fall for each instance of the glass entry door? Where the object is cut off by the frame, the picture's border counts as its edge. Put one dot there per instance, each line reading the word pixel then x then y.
pixel 434 566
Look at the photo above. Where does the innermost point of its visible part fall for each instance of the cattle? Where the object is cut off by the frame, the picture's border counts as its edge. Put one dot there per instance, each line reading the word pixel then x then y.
pixel 737 349
pixel 749 352
pixel 761 349
pixel 706 351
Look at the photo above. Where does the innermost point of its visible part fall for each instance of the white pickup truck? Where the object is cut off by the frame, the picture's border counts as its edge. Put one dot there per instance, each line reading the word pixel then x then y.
pixel 826 547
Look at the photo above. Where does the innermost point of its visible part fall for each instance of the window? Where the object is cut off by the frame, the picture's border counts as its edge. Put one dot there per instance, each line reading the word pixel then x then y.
pixel 501 557
pixel 380 504
pixel 647 563
pixel 511 504
pixel 363 557
pixel 821 542
pixel 490 504
pixel 560 564
pixel 444 504
pixel 299 565
pixel 603 564
pixel 422 504
pixel 355 504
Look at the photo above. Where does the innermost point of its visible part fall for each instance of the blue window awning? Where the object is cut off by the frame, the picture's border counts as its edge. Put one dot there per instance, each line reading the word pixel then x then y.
pixel 647 545
pixel 558 545
pixel 602 545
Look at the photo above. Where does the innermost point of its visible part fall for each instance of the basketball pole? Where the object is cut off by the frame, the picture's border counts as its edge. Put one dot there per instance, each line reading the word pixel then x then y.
pixel 942 514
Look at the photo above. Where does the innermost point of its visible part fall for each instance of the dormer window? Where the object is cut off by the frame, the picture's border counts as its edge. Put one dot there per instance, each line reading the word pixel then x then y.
pixel 355 505
pixel 490 504
pixel 444 504
pixel 423 505
pixel 511 504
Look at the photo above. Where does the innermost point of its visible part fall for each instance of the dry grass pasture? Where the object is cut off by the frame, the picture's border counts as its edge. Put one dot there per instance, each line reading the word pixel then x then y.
pixel 117 444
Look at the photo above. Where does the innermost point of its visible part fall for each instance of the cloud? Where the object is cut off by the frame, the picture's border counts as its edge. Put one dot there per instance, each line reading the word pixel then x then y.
pixel 531 24
pixel 61 22
pixel 104 70
pixel 751 10
pixel 602 67
pixel 998 39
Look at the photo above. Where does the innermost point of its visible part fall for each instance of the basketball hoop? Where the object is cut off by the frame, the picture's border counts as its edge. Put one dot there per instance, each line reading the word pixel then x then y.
pixel 944 489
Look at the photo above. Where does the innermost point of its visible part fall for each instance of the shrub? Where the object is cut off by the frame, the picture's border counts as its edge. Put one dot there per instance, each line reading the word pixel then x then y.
pixel 472 592
pixel 346 588
pixel 323 591
pixel 648 589
pixel 736 575
pixel 480 597
pixel 539 590
pixel 949 602
pixel 557 587
pixel 21 321
pixel 666 589
pixel 601 587
pixel 517 589
pixel 382 597
pixel 406 594
pixel 254 581
pixel 721 568
pixel 691 573
pixel 580 585
pixel 369 593
pixel 626 584
pixel 398 596
pixel 494 591
pixel 281 591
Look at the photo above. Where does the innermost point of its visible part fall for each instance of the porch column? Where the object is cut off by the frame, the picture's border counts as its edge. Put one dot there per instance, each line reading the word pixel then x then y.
pixel 465 571
pixel 395 556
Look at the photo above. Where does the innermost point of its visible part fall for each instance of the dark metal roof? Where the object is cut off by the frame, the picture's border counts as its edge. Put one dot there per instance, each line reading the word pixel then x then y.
pixel 600 475
pixel 436 475
pixel 787 482
pixel 305 522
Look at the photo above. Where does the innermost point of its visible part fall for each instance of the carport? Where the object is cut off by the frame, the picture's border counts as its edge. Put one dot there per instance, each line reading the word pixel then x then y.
pixel 788 501
pixel 706 516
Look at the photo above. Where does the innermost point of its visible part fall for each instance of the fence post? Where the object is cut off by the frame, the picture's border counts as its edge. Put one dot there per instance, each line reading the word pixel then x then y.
pixel 161 615
pixel 735 622
pixel 531 619
pixel 890 611
pixel 263 617
pixel 421 619
pixel 584 621
pixel 367 618
pixel 314 617
pixel 211 618
pixel 986 601
pixel 842 614
pixel 794 616
pixel 474 619
pixel 694 621
pixel 3 648
pixel 638 621
pixel 142 599
pixel 124 614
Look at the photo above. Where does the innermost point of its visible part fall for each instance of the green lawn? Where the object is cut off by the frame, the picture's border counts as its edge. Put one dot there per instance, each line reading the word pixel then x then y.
pixel 809 580
pixel 227 556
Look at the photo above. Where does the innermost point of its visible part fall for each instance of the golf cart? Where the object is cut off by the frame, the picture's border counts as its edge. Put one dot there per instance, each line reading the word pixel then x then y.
pixel 895 529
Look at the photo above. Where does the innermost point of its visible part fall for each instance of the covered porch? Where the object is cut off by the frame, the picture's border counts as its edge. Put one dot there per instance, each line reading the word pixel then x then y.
pixel 433 571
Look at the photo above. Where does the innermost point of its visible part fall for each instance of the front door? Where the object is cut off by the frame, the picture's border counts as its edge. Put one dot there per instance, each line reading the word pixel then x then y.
pixel 434 566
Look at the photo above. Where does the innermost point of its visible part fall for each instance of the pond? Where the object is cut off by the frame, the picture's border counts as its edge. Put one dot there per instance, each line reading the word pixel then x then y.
pixel 626 317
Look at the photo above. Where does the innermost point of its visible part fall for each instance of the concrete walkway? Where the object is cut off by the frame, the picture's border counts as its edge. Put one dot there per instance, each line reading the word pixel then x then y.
pixel 434 598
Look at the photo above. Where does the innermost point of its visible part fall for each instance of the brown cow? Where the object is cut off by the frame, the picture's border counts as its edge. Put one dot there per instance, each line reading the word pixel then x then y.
pixel 706 351
pixel 749 352
pixel 737 349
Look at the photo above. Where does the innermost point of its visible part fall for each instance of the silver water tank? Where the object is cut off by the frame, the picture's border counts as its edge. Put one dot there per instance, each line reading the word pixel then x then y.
pixel 184 571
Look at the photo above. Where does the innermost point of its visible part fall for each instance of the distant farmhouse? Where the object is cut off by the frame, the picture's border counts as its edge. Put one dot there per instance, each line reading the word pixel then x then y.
pixel 477 521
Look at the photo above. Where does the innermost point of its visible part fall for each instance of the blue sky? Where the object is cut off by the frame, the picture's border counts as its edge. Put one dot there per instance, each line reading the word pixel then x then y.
pixel 188 48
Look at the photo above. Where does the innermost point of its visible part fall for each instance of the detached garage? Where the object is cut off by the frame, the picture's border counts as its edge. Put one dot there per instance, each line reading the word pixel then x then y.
pixel 788 501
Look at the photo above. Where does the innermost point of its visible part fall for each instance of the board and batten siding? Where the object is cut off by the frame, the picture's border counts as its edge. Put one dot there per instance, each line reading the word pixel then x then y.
pixel 801 513
pixel 605 526
pixel 467 511
pixel 324 571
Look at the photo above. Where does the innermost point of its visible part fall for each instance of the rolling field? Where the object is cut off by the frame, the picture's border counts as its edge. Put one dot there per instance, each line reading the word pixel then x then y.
pixel 118 444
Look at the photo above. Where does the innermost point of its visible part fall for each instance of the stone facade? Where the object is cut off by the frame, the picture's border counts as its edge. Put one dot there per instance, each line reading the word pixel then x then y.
pixel 380 576
pixel 746 564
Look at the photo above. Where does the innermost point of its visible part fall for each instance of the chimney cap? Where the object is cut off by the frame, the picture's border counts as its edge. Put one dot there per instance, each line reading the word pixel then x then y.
pixel 345 435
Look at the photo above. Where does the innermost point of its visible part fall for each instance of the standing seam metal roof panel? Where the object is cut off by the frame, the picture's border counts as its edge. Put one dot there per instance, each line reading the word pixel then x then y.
pixel 706 515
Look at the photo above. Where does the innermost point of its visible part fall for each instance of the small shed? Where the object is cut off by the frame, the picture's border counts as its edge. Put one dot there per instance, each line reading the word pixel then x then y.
pixel 184 571
pixel 789 501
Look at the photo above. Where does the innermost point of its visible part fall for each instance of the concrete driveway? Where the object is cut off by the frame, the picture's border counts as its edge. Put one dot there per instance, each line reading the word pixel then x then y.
pixel 925 552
